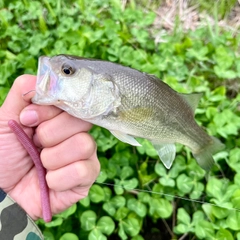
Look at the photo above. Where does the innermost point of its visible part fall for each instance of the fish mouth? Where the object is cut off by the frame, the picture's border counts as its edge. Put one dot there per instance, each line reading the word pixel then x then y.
pixel 43 73
pixel 46 82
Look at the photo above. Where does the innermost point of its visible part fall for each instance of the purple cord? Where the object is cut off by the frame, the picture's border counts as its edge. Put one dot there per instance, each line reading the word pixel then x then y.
pixel 34 154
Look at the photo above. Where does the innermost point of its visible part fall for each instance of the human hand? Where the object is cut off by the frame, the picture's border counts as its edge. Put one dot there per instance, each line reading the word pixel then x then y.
pixel 68 152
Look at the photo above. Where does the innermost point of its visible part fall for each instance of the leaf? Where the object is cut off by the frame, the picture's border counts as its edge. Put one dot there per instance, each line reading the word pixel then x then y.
pixel 111 170
pixel 233 220
pixel 120 159
pixel 147 148
pixel 109 208
pixel 131 226
pixel 234 161
pixel 219 212
pixel 227 123
pixel 179 165
pixel 106 225
pixel 143 174
pixel 69 236
pixel 204 230
pixel 104 139
pixel 144 197
pixel 96 194
pixel 214 188
pixel 207 208
pixel 167 181
pixel 197 190
pixel 199 54
pixel 54 223
pixel 183 216
pixel 157 190
pixel 85 201
pixel 160 208
pixel 138 207
pixel 130 184
pixel 235 199
pixel 181 229
pixel 96 234
pixel 68 212
pixel 121 213
pixel 224 57
pixel 184 221
pixel 88 220
pixel 118 201
pixel 7 69
pixel 126 172
pixel 160 169
pixel 211 112
pixel 197 217
pixel 102 177
pixel 119 190
pixel 107 193
pixel 195 171
pixel 3 94
pixel 138 237
pixel 121 231
pixel 47 235
pixel 224 234
pixel 223 73
pixel 184 183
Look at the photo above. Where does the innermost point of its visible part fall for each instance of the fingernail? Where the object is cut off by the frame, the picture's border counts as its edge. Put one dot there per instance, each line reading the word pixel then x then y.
pixel 29 118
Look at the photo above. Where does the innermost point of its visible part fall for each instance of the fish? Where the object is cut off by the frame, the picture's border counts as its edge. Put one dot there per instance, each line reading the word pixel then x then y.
pixel 129 103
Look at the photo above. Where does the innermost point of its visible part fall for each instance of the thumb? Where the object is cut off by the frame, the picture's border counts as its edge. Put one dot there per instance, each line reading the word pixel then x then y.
pixel 14 103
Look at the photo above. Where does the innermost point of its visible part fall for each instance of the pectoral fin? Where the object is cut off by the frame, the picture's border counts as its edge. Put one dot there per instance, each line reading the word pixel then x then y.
pixel 166 153
pixel 125 138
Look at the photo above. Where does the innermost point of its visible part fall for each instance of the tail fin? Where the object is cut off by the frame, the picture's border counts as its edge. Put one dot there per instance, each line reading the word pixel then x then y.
pixel 204 155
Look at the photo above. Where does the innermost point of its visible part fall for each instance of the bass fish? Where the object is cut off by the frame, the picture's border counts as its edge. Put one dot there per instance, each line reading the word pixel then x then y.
pixel 127 102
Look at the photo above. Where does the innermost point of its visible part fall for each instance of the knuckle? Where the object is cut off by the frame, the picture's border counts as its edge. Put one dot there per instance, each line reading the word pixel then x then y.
pixel 86 143
pixel 44 135
pixel 81 172
pixel 46 157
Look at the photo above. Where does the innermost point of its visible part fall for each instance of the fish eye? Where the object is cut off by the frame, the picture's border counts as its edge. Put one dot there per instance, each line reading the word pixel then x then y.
pixel 67 70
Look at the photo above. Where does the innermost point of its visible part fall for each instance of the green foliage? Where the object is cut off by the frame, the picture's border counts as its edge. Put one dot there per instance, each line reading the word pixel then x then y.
pixel 219 8
pixel 135 197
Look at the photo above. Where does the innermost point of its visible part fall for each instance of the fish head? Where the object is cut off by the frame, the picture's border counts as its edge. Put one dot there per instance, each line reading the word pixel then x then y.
pixel 70 83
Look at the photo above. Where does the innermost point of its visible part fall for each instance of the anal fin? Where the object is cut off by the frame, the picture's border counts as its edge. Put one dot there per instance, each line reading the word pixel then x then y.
pixel 166 153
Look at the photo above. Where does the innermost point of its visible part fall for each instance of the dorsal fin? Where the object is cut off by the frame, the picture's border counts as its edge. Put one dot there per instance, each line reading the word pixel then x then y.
pixel 192 99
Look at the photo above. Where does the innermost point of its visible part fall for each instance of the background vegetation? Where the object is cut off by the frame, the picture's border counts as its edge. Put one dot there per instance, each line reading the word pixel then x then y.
pixel 135 197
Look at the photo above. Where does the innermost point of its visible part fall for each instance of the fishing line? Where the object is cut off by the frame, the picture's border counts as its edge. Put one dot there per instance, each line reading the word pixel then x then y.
pixel 170 195
pixel 24 94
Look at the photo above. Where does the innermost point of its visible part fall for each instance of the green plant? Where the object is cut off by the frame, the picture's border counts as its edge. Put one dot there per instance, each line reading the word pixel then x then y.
pixel 135 197
pixel 219 8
